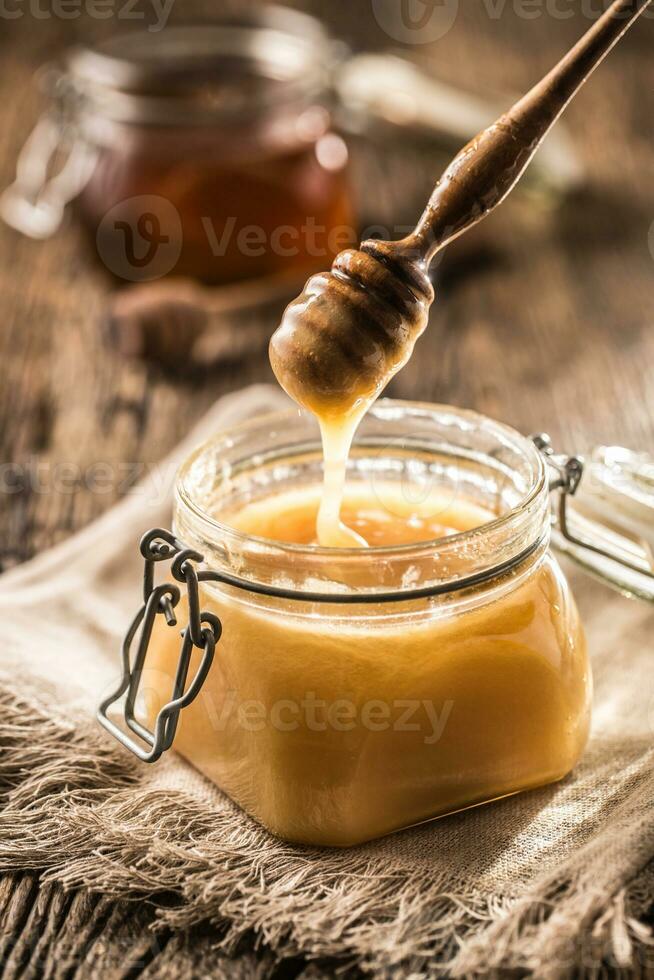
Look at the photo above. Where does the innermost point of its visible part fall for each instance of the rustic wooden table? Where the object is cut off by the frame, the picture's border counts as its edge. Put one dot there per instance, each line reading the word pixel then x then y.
pixel 547 326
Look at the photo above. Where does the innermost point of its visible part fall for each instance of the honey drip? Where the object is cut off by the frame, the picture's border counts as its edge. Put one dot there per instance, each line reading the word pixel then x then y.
pixel 331 531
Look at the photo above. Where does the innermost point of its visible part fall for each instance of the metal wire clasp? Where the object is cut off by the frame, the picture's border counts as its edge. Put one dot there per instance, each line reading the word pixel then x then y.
pixel 202 632
pixel 54 166
pixel 568 471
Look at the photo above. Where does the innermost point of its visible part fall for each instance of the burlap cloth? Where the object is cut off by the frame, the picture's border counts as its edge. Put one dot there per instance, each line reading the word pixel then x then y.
pixel 555 881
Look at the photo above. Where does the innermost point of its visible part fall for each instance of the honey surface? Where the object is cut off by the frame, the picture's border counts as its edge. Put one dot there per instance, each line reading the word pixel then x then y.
pixel 385 516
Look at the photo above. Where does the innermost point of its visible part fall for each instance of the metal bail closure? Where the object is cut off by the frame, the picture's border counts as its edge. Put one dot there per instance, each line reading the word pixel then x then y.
pixel 605 521
pixel 202 633
pixel 53 167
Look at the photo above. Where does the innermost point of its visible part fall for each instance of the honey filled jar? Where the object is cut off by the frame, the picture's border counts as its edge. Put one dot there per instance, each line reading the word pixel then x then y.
pixel 204 151
pixel 339 694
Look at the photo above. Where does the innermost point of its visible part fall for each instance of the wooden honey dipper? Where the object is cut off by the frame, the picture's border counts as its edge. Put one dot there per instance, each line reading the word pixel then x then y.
pixel 353 328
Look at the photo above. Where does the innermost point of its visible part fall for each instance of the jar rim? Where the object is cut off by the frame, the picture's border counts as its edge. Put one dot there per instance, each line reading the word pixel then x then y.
pixel 215 529
pixel 178 76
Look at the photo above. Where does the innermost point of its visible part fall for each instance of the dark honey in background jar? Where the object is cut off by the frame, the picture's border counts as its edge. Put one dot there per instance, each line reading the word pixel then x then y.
pixel 213 155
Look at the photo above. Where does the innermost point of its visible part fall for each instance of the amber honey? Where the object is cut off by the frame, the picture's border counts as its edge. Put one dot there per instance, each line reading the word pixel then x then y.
pixel 214 154
pixel 266 212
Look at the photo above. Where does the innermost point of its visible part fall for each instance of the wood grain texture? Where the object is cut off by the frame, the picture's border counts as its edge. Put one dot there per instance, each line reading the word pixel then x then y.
pixel 545 322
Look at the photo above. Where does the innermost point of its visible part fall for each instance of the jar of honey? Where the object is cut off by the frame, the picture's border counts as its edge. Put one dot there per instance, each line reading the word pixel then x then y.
pixel 339 694
pixel 203 151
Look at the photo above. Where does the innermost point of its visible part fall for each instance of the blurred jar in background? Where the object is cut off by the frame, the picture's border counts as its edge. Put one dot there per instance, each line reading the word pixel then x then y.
pixel 213 151
pixel 207 150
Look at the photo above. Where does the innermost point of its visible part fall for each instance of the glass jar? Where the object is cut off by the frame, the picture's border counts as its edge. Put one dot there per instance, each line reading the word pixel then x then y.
pixel 354 692
pixel 204 151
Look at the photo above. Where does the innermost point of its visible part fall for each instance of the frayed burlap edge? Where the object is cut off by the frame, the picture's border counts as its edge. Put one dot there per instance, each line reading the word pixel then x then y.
pixel 72 809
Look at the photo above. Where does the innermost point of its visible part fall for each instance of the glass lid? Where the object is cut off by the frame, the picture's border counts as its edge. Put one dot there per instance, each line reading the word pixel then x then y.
pixel 605 520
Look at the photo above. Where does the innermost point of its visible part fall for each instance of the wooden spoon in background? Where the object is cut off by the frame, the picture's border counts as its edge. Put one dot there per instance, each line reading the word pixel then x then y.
pixel 185 327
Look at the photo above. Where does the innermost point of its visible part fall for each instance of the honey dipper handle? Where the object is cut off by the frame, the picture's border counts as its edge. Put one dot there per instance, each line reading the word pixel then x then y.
pixel 483 173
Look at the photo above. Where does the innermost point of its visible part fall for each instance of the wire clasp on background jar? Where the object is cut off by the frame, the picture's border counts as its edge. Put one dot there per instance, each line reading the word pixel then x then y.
pixel 202 633
pixel 35 203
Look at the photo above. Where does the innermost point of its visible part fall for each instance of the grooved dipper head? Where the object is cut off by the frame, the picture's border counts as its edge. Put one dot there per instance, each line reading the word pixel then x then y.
pixel 346 335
